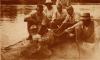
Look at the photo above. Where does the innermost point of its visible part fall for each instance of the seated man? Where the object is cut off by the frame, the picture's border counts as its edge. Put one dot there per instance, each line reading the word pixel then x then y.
pixel 57 25
pixel 61 20
pixel 58 17
pixel 84 29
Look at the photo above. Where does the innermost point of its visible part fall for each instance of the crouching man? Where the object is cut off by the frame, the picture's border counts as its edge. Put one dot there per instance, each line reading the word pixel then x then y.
pixel 37 27
pixel 84 29
pixel 36 21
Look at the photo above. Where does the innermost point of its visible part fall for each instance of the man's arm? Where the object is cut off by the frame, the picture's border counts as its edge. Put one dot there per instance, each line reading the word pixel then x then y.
pixel 44 25
pixel 74 26
pixel 29 16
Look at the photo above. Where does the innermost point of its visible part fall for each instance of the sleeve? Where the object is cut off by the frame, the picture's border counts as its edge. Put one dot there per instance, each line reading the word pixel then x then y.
pixel 45 11
pixel 76 25
pixel 54 16
pixel 32 12
pixel 26 19
pixel 43 27
pixel 31 18
pixel 70 29
pixel 45 21
pixel 67 18
pixel 90 30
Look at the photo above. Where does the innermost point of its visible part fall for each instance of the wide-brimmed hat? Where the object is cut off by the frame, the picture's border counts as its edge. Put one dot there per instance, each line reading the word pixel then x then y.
pixel 85 16
pixel 48 2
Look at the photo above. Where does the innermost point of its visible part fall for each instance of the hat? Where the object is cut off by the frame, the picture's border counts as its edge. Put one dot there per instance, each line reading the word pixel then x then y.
pixel 48 2
pixel 85 16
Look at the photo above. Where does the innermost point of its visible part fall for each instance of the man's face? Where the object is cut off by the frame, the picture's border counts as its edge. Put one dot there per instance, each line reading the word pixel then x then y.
pixel 49 6
pixel 86 21
pixel 39 9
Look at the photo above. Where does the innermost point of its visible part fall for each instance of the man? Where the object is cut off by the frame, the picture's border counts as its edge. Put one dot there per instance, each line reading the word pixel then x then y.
pixel 58 17
pixel 84 29
pixel 49 10
pixel 71 14
pixel 61 19
pixel 36 21
pixel 66 4
pixel 55 25
pixel 37 27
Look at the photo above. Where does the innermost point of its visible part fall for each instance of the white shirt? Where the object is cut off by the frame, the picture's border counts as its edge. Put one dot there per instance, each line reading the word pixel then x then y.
pixel 58 15
pixel 49 13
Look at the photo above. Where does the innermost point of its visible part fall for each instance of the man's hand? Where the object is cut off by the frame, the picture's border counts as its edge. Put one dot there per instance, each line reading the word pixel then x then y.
pixel 36 37
pixel 68 30
pixel 52 21
pixel 71 34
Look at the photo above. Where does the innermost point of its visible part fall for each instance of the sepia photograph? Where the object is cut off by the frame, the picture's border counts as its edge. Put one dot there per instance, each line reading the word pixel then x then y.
pixel 49 30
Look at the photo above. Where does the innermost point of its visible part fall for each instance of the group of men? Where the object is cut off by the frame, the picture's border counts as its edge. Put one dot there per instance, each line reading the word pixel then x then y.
pixel 52 25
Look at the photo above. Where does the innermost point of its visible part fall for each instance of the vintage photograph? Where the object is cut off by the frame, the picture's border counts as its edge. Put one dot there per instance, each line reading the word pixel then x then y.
pixel 49 29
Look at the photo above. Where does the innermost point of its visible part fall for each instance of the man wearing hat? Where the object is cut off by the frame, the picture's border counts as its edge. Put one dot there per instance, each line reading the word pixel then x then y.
pixel 84 29
pixel 49 10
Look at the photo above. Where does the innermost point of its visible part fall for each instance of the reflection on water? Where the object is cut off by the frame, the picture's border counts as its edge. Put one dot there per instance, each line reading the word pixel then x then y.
pixel 12 31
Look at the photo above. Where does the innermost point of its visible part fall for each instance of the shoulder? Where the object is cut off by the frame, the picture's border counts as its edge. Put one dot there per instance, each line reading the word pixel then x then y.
pixel 31 13
pixel 64 10
pixel 80 23
pixel 34 14
pixel 44 15
pixel 45 9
